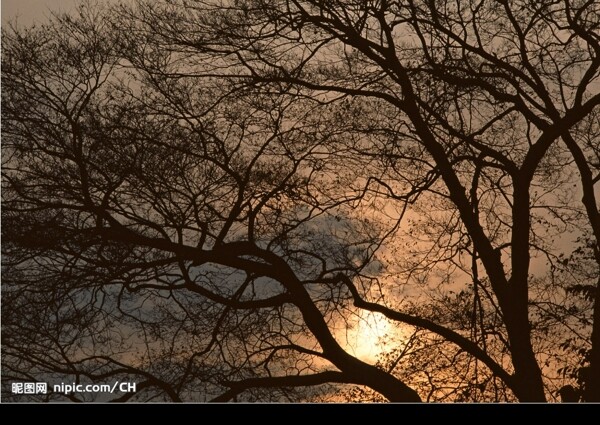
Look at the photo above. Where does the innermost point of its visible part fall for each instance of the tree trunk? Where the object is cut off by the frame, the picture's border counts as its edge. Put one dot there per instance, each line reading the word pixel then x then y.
pixel 528 382
pixel 382 382
pixel 592 378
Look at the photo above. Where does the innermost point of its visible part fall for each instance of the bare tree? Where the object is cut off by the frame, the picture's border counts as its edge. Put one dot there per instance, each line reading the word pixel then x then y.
pixel 168 229
pixel 226 183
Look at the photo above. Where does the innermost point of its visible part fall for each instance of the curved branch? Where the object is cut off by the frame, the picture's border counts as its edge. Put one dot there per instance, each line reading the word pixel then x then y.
pixel 238 387
pixel 464 343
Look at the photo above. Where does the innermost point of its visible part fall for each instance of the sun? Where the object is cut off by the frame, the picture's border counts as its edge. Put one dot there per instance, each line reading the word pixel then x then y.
pixel 367 335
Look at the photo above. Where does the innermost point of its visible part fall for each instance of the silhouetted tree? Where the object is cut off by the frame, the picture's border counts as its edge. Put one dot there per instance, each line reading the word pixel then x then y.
pixel 197 194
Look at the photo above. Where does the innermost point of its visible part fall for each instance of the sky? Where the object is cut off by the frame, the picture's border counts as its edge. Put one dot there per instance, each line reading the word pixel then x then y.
pixel 29 11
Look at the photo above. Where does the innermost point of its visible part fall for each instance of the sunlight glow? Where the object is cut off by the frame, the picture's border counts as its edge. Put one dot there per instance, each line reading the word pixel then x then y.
pixel 368 336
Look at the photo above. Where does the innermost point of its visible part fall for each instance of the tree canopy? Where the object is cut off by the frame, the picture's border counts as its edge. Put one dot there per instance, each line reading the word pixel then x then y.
pixel 208 197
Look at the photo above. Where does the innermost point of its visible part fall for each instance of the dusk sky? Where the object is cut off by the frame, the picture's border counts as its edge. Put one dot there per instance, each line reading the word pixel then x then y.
pixel 32 10
pixel 300 201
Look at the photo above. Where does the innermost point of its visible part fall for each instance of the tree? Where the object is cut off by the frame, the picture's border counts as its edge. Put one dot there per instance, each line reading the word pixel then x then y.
pixel 201 203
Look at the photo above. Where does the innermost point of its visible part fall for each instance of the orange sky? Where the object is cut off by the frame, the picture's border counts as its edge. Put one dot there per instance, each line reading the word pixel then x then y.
pixel 28 11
